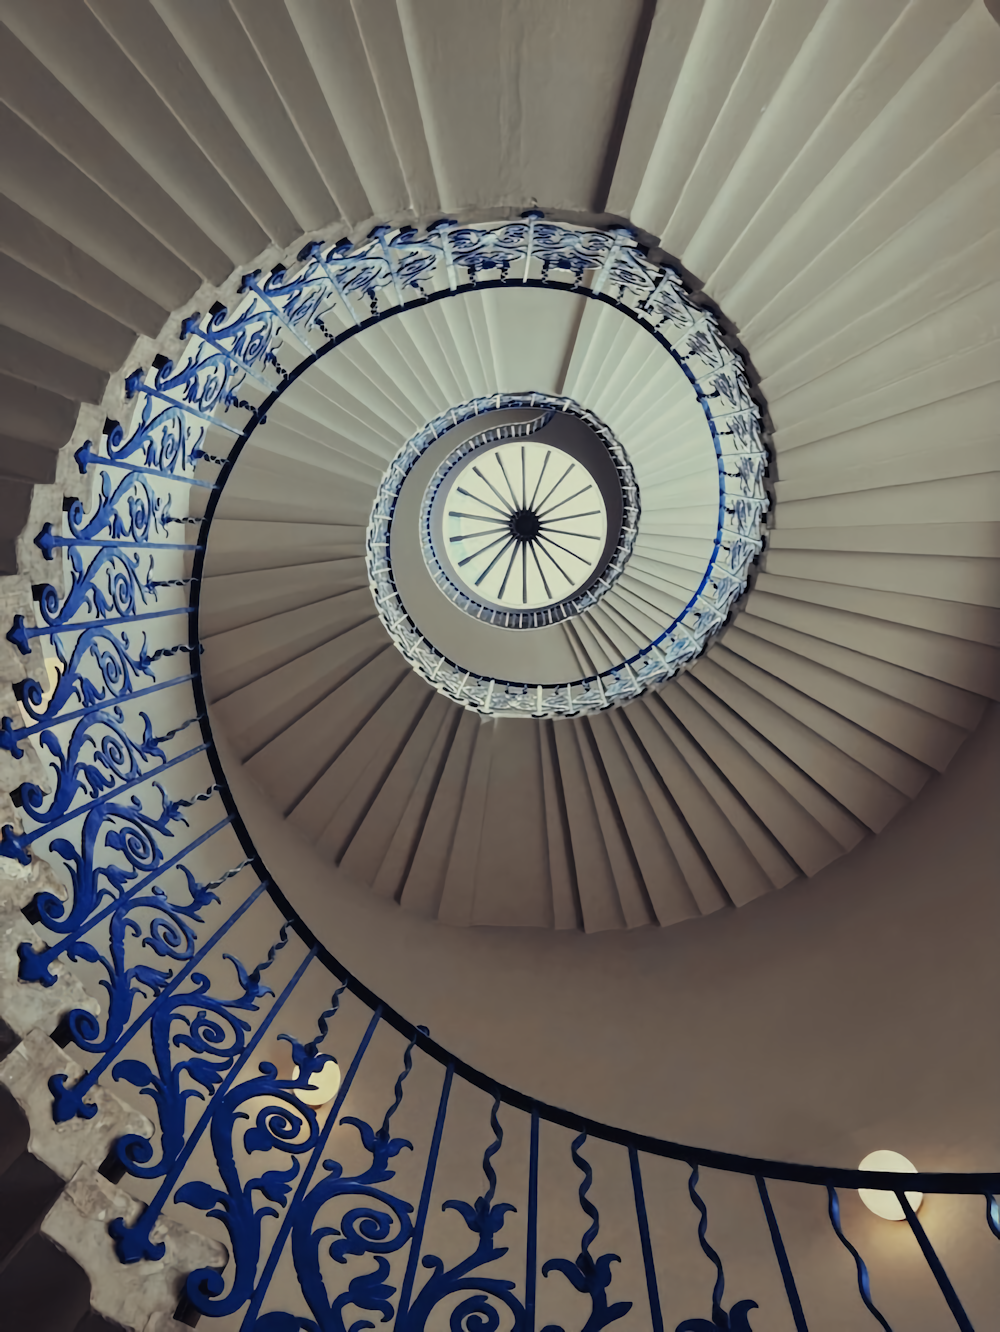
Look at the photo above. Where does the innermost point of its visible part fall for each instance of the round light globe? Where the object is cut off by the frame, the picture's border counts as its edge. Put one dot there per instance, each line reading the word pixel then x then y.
pixel 885 1204
pixel 323 1084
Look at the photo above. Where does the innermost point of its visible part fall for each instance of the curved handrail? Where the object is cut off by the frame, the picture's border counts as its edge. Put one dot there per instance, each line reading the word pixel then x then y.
pixel 964 1182
pixel 651 295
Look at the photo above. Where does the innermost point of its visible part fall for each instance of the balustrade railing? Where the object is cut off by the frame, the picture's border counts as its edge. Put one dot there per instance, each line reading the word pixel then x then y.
pixel 328 1217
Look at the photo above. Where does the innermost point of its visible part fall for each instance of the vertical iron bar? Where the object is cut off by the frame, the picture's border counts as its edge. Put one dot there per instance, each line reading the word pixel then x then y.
pixel 794 1303
pixel 934 1263
pixel 655 1312
pixel 425 1200
pixel 253 1308
pixel 863 1283
pixel 531 1270
pixel 529 247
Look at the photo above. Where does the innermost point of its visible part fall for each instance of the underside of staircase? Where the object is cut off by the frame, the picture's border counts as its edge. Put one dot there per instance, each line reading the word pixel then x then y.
pixel 822 175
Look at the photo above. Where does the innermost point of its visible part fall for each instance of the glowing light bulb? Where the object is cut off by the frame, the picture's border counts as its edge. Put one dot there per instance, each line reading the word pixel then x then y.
pixel 879 1201
pixel 324 1083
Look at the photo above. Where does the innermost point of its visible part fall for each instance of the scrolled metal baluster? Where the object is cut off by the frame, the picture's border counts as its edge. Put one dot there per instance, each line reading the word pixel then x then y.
pixel 101 757
pixel 57 620
pixel 110 778
pixel 314 252
pixel 134 1243
pixel 140 521
pixel 117 669
pixel 590 1276
pixel 201 385
pixel 568 248
pixel 163 438
pixel 302 297
pixel 247 339
pixel 290 1126
pixel 123 592
pixel 478 249
pixel 115 665
pixel 485 1220
pixel 127 828
pixel 281 1126
pixel 380 1225
pixel 668 301
pixel 68 1102
pixel 416 258
pixel 91 883
pixel 295 301
pixel 864 1285
pixel 171 933
pixel 215 1038
pixel 286 1125
pixel 738 1318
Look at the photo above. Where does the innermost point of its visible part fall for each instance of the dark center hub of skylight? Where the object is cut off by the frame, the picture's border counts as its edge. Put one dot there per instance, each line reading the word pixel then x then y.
pixel 524 524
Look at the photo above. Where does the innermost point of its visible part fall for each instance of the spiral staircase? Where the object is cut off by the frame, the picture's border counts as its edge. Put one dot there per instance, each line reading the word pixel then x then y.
pixel 821 181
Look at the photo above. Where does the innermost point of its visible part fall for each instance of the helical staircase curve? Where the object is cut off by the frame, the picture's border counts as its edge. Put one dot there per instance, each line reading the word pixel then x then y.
pixel 276 276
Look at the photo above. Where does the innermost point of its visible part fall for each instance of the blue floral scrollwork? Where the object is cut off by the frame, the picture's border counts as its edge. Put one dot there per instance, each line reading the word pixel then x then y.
pixel 284 1124
pixel 129 830
pixel 590 1276
pixel 478 249
pixel 215 1038
pixel 737 1320
pixel 381 1225
pixel 170 934
pixel 478 1312
pixel 245 343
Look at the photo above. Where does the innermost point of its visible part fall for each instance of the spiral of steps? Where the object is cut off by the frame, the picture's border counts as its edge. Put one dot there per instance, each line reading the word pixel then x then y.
pixel 825 172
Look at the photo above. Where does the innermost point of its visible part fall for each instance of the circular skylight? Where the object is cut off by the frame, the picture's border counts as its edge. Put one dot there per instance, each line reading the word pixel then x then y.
pixel 525 522
pixel 523 525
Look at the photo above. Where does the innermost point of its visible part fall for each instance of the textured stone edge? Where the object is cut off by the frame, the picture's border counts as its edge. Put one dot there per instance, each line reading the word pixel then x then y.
pixel 163 1322
pixel 136 1295
pixel 29 1006
pixel 65 1148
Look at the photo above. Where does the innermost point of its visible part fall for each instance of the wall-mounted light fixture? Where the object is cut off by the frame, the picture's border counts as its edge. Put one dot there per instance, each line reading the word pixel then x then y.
pixel 879 1201
pixel 324 1083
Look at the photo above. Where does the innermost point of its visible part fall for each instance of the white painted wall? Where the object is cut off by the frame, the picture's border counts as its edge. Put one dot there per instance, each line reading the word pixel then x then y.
pixel 850 1011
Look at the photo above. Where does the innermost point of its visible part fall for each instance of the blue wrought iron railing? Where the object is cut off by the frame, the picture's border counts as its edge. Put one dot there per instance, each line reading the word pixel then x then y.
pixel 163 884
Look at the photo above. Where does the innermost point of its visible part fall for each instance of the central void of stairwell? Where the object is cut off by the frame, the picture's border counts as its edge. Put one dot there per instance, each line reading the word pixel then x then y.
pixel 614 543
pixel 516 513
pixel 586 346
pixel 521 527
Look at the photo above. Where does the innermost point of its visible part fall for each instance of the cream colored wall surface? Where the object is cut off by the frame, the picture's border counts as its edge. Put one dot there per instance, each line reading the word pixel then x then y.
pixel 852 1011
